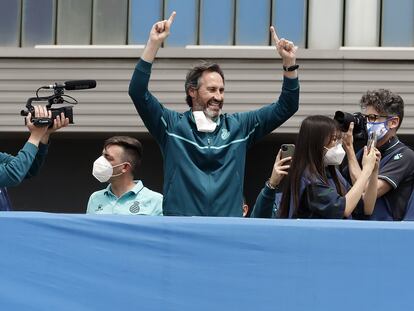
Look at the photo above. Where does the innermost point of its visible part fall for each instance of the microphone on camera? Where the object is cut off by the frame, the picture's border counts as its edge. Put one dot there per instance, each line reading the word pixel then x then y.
pixel 73 85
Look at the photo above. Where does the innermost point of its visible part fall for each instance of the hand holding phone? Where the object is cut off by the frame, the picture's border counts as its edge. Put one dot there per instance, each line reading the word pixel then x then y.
pixel 287 150
pixel 372 141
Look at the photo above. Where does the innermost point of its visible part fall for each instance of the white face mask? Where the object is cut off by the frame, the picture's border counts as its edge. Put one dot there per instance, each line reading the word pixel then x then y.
pixel 203 123
pixel 334 155
pixel 103 170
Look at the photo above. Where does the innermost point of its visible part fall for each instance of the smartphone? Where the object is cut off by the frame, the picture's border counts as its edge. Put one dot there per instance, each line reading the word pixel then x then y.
pixel 372 141
pixel 287 150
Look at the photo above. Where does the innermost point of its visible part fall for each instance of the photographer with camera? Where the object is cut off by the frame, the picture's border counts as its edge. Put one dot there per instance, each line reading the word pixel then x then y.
pixel 384 112
pixel 27 162
pixel 314 186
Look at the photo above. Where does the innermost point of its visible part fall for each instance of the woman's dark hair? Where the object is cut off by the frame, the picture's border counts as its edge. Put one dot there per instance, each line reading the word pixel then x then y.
pixel 192 80
pixel 315 133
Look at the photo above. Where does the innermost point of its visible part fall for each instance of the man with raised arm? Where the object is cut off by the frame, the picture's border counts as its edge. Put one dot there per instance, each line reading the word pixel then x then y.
pixel 204 150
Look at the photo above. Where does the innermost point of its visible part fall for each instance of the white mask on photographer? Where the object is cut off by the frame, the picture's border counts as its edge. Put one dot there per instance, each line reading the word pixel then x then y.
pixel 334 155
pixel 103 170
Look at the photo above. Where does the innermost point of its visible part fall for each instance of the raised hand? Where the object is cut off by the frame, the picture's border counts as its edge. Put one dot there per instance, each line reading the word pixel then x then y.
pixel 285 48
pixel 59 122
pixel 378 160
pixel 160 30
pixel 280 169
pixel 37 132
pixel 369 159
pixel 348 138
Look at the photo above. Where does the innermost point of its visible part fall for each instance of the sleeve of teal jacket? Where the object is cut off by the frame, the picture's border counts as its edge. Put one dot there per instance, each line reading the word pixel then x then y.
pixel 264 206
pixel 155 116
pixel 260 122
pixel 13 169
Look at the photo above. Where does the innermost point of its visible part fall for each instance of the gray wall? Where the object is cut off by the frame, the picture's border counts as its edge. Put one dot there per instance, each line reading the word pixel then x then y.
pixel 330 80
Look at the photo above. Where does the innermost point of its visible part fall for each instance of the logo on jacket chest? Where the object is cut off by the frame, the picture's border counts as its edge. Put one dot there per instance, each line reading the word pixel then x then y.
pixel 225 134
pixel 134 208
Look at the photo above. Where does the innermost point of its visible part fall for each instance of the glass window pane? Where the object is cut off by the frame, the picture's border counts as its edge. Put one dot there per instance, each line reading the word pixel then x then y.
pixel 74 22
pixel 10 23
pixel 185 28
pixel 398 23
pixel 325 30
pixel 38 22
pixel 252 22
pixel 217 25
pixel 142 15
pixel 110 19
pixel 289 19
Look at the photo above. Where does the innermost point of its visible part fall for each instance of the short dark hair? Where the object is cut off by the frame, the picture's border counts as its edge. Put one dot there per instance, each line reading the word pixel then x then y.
pixel 133 150
pixel 192 79
pixel 385 102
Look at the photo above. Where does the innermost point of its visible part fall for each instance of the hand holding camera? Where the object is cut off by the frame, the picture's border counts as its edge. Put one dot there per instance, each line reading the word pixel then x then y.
pixel 57 98
pixel 44 120
pixel 37 132
pixel 358 120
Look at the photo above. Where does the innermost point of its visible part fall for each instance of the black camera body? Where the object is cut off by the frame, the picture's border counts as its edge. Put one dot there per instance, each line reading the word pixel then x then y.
pixel 360 123
pixel 56 98
pixel 67 111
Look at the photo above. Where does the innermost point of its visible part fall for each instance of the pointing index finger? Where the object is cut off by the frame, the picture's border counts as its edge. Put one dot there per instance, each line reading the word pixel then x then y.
pixel 171 18
pixel 274 35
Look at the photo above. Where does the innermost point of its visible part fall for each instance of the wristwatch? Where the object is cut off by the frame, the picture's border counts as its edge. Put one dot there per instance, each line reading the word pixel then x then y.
pixel 270 186
pixel 291 68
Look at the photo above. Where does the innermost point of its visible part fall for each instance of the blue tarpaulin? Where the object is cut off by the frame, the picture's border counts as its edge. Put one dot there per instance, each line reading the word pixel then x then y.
pixel 85 262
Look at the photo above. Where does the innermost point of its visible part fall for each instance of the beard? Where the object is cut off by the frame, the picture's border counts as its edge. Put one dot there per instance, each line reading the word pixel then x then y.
pixel 213 109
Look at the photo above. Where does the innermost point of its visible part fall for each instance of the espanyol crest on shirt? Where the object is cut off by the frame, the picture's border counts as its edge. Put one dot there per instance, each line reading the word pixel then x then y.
pixel 225 134
pixel 134 208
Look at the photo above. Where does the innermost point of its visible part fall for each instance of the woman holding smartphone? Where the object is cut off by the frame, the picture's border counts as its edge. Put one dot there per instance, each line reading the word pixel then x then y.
pixel 314 186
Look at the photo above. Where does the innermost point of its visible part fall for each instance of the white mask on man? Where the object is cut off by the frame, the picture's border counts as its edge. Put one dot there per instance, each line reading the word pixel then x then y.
pixel 103 170
pixel 203 123
pixel 334 155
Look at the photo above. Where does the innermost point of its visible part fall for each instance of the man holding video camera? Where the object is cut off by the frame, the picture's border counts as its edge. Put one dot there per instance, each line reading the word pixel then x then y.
pixel 384 112
pixel 27 162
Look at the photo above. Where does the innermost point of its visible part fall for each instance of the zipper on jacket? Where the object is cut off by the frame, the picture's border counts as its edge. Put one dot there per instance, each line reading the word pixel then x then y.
pixel 208 211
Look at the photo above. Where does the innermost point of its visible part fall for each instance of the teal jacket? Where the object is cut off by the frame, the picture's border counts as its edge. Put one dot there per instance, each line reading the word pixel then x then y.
pixel 204 172
pixel 27 162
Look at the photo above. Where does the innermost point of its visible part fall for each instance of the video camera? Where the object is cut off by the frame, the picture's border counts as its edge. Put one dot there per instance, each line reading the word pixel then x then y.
pixel 58 97
pixel 360 123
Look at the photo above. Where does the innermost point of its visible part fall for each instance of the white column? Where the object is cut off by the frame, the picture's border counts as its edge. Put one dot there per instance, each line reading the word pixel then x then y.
pixel 325 24
pixel 362 22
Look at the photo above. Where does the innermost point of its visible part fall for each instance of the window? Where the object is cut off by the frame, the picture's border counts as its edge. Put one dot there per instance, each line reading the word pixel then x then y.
pixel 252 22
pixel 142 15
pixel 216 22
